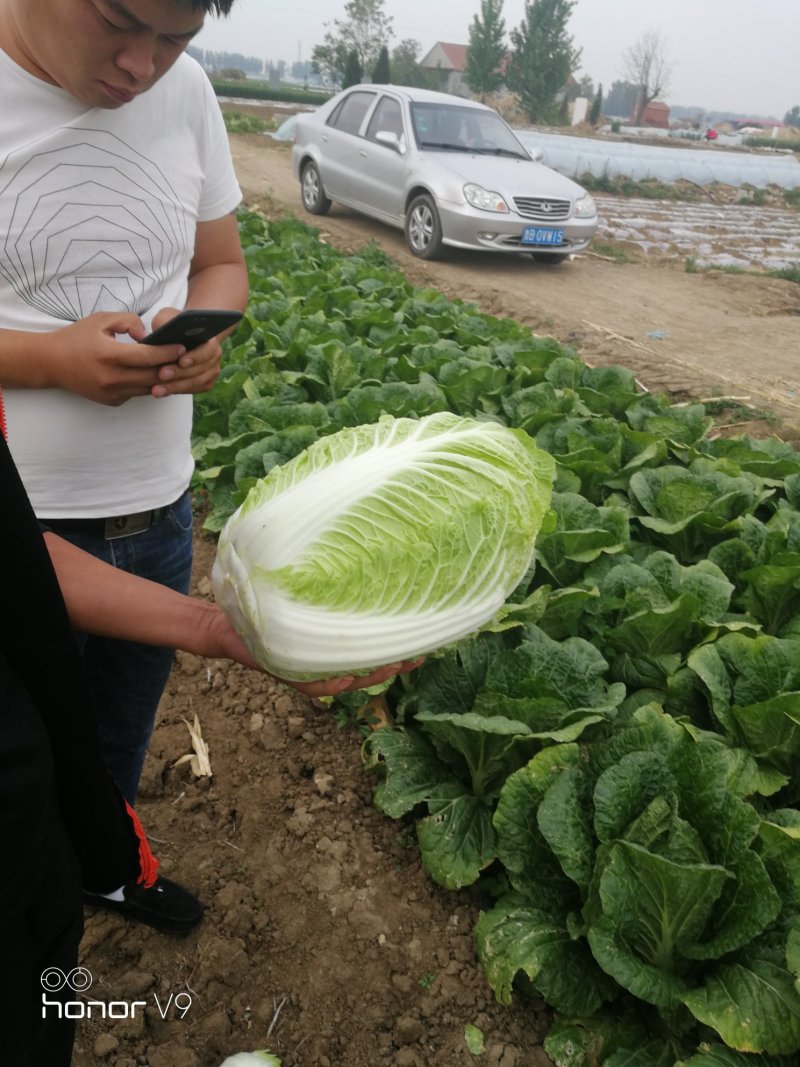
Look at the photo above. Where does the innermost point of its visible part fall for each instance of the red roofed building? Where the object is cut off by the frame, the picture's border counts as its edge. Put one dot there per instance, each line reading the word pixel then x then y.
pixel 451 60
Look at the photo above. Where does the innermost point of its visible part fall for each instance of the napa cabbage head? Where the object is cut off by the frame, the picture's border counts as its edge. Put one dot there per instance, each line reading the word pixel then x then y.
pixel 380 543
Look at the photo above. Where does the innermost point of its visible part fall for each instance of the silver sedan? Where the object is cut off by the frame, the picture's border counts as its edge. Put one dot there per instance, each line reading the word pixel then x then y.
pixel 447 171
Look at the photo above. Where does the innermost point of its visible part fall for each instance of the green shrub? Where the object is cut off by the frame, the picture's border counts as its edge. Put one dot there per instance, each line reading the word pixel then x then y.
pixel 789 144
pixel 253 90
pixel 236 122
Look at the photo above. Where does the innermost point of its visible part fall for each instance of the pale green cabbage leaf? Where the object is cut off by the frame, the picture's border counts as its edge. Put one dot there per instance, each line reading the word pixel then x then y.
pixel 382 542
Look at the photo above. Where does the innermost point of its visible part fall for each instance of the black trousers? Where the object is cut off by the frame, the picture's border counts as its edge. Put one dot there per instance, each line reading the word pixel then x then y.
pixel 41 913
pixel 63 822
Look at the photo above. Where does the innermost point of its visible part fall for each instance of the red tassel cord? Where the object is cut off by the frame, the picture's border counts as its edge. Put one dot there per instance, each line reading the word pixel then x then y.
pixel 148 864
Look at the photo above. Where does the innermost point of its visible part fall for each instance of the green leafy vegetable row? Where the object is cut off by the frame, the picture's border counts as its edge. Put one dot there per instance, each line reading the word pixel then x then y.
pixel 621 772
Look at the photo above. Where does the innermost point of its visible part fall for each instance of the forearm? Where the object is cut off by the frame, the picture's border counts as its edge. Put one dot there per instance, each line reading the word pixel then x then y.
pixel 218 273
pixel 103 600
pixel 223 285
pixel 85 357
pixel 24 360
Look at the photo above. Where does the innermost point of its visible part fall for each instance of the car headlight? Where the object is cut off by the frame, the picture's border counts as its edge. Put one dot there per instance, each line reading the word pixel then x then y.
pixel 585 207
pixel 484 200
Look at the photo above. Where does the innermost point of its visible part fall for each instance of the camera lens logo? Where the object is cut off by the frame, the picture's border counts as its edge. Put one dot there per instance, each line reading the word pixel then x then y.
pixel 78 979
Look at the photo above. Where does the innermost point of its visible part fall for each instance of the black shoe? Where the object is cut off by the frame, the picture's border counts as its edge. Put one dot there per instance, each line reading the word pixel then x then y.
pixel 166 905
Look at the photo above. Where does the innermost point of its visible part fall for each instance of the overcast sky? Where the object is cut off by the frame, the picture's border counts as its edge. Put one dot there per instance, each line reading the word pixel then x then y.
pixel 736 55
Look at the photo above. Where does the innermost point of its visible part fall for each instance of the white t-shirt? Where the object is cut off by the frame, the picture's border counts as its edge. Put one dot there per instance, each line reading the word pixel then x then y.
pixel 98 210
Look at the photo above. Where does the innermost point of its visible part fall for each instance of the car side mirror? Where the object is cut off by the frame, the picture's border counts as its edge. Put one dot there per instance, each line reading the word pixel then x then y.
pixel 535 153
pixel 391 140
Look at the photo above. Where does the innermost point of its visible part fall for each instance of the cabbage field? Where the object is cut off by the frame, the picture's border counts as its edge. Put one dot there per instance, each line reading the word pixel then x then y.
pixel 619 772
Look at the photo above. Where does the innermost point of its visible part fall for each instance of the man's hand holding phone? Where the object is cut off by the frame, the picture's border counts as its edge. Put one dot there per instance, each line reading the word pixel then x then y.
pixel 197 331
pixel 88 358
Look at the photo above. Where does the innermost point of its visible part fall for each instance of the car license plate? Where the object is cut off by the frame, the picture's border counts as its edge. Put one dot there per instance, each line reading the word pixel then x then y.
pixel 541 235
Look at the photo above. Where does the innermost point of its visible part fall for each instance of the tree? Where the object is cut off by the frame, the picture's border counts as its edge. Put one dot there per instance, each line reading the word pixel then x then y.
pixel 597 107
pixel 216 60
pixel 404 60
pixel 486 50
pixel 792 117
pixel 405 66
pixel 380 73
pixel 330 62
pixel 352 71
pixel 646 66
pixel 230 74
pixel 621 99
pixel 543 56
pixel 586 87
pixel 301 68
pixel 364 30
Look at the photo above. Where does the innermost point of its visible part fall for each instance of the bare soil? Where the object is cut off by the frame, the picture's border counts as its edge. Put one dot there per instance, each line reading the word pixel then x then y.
pixel 323 939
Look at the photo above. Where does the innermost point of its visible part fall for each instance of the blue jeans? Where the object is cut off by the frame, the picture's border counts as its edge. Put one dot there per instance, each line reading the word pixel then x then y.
pixel 128 679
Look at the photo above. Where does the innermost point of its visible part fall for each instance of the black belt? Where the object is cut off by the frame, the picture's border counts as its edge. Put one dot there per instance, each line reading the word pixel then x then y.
pixel 109 528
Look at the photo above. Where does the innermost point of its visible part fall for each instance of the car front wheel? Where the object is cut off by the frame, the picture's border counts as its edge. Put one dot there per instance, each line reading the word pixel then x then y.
pixel 424 228
pixel 314 199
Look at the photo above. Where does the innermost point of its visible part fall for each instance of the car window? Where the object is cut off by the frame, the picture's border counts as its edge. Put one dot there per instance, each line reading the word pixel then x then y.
pixel 486 130
pixel 437 124
pixel 448 127
pixel 349 115
pixel 388 118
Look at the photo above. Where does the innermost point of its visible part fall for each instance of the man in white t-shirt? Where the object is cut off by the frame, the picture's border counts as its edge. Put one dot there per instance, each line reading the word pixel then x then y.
pixel 117 194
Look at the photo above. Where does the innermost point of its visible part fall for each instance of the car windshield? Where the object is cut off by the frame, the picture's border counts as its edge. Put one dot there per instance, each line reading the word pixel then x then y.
pixel 450 128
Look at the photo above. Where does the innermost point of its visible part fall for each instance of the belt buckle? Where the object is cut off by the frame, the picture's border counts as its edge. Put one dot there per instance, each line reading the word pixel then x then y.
pixel 127 525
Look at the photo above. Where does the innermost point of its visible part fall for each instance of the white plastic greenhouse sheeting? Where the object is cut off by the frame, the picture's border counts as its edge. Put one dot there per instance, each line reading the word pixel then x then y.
pixel 575 156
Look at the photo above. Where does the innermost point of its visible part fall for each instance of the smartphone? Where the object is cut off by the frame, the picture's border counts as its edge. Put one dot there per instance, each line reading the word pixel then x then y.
pixel 193 327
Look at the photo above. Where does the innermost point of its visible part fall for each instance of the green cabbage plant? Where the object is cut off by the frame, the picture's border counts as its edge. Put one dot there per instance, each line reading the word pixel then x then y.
pixel 641 873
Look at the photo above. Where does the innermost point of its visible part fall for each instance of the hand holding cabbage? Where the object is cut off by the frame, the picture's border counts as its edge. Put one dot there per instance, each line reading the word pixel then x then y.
pixel 380 544
pixel 157 615
pixel 213 636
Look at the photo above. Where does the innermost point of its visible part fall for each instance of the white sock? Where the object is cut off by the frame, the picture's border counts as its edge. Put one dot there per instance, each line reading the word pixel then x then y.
pixel 117 895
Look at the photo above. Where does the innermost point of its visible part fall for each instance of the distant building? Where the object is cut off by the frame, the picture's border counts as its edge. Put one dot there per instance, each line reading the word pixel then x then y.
pixel 451 61
pixel 747 125
pixel 656 114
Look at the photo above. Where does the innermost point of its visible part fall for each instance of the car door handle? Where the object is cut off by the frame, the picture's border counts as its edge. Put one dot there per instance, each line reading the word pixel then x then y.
pixel 363 154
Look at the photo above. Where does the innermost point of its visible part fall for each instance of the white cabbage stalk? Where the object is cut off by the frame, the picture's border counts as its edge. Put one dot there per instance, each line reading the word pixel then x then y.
pixel 380 543
pixel 259 1058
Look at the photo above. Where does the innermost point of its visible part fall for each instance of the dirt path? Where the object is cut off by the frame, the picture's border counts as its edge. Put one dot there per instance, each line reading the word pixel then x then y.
pixel 716 333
